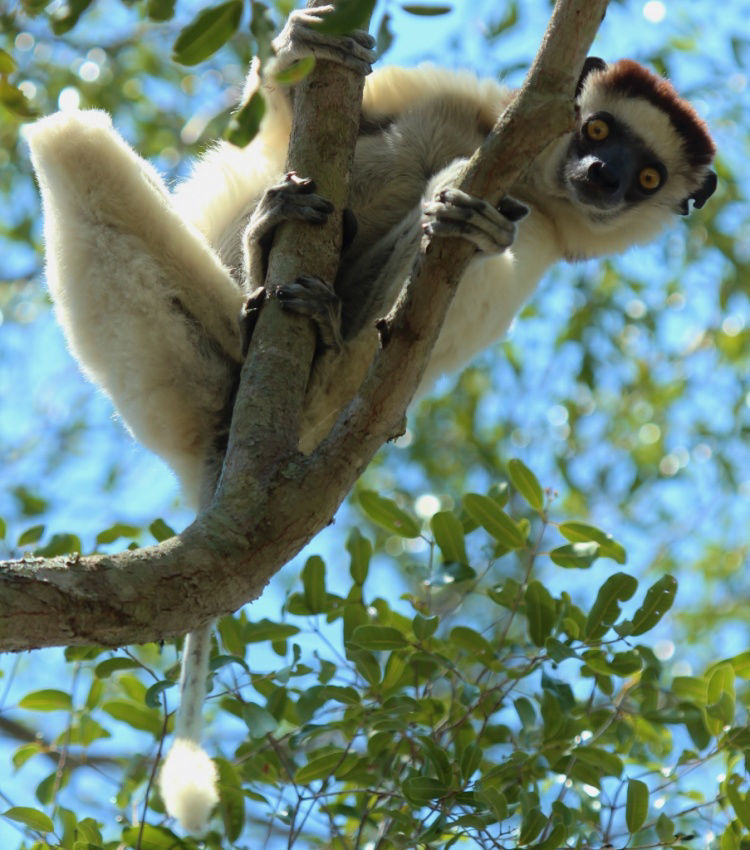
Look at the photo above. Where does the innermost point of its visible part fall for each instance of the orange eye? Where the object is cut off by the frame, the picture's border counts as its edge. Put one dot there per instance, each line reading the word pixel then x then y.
pixel 649 179
pixel 597 129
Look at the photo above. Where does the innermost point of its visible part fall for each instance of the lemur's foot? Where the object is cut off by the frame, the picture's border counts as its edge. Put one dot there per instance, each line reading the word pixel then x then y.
pixel 293 199
pixel 312 297
pixel 300 39
pixel 454 213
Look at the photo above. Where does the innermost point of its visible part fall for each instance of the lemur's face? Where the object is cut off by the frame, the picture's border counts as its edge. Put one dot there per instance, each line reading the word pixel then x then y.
pixel 608 167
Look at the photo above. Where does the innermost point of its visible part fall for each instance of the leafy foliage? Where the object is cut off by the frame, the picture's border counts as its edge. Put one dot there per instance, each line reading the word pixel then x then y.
pixel 411 724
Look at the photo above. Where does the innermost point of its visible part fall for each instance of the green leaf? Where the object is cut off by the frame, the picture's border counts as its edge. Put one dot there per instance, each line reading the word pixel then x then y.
pixel 244 124
pixel 471 758
pixel 314 583
pixel 47 700
pixel 231 799
pixel 259 721
pixel 7 64
pixel 421 789
pixel 59 544
pixel 161 531
pixel 161 10
pixel 581 532
pixel 524 480
pixel 495 801
pixel 207 32
pixel 267 630
pixel 116 531
pixel 470 640
pixel 296 72
pixel 619 587
pixel 608 764
pixel 414 9
pixel 67 15
pixel 575 555
pixel 360 552
pixel 106 668
pixel 740 803
pixel 387 514
pixel 147 837
pixel 320 767
pixel 493 519
pixel 540 612
pixel 378 638
pixel 449 535
pixel 135 715
pixel 153 694
pixel 32 818
pixel 31 535
pixel 424 627
pixel 658 601
pixel 664 829
pixel 348 15
pixel 532 824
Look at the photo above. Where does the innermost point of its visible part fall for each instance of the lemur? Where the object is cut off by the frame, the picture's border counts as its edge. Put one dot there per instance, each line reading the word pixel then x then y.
pixel 149 285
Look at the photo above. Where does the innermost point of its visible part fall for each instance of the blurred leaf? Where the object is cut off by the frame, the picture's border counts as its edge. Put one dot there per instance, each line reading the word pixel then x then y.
pixel 636 805
pixel 244 124
pixel 575 555
pixel 313 581
pixel 46 700
pixel 207 32
pixel 360 552
pixel 449 535
pixel 7 65
pixel 135 715
pixel 377 638
pixel 147 837
pixel 161 10
pixel 31 535
pixel 160 530
pixel 386 513
pixel 526 483
pixel 66 16
pixel 493 519
pixel 419 790
pixel 540 612
pixel 32 818
pixel 348 15
pixel 231 798
pixel 430 9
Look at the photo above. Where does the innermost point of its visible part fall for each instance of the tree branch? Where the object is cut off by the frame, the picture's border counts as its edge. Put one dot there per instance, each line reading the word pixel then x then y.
pixel 272 500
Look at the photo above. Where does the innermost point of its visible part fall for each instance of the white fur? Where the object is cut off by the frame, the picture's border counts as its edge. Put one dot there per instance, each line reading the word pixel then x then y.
pixel 187 783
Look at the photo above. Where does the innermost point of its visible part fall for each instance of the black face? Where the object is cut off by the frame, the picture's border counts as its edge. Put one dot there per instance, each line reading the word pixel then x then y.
pixel 608 166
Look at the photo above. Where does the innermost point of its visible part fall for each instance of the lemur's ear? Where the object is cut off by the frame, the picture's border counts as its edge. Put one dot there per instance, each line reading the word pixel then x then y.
pixel 592 63
pixel 700 195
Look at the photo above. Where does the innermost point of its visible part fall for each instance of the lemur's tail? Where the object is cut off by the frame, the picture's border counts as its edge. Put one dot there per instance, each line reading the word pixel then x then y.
pixel 188 776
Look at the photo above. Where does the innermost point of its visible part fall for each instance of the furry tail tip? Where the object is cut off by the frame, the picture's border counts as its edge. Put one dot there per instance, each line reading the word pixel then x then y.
pixel 188 785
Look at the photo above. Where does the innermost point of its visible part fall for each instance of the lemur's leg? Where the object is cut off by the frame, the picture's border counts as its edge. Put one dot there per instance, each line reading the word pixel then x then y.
pixel 293 198
pixel 147 307
pixel 370 285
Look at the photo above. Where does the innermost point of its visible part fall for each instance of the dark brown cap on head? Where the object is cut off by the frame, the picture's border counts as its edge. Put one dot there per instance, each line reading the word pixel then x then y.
pixel 633 80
